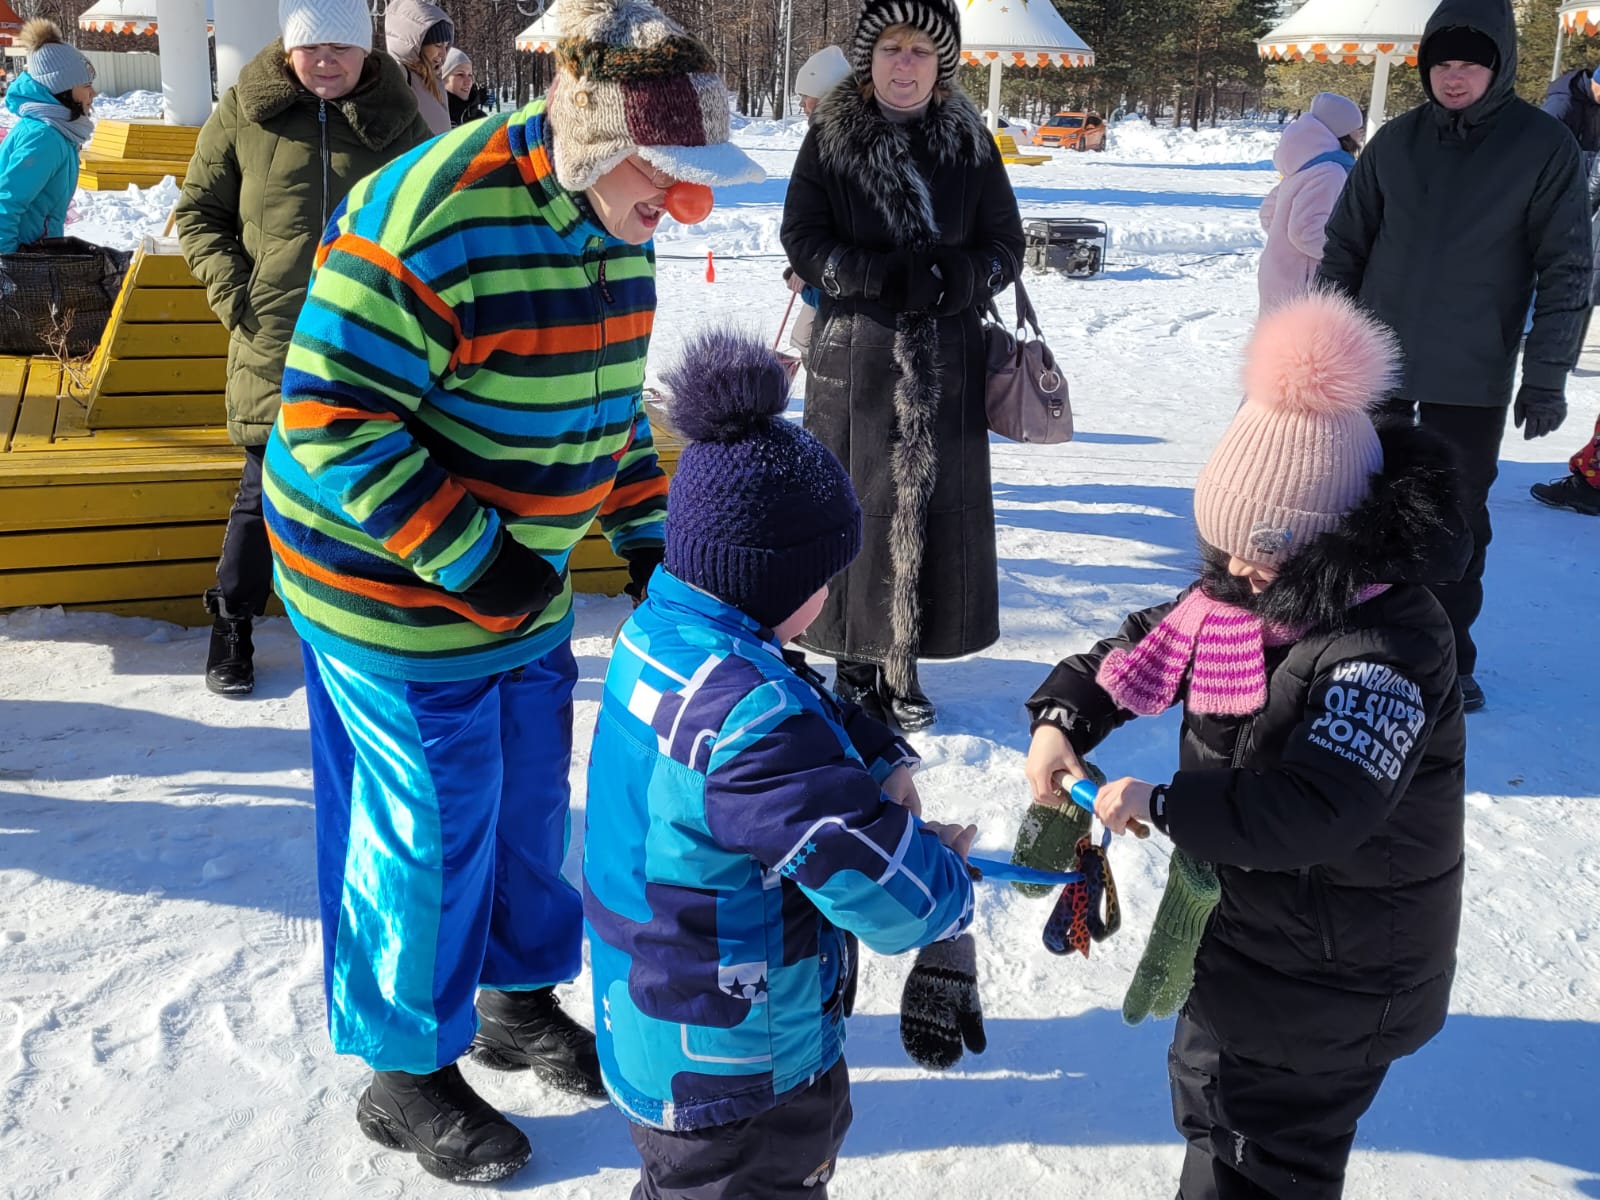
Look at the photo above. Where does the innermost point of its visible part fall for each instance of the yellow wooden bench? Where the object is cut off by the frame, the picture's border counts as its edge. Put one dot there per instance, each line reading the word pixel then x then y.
pixel 142 153
pixel 1010 154
pixel 116 473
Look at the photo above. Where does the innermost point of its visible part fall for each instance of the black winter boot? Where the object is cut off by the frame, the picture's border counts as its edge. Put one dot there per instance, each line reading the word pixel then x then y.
pixel 519 1030
pixel 454 1132
pixel 1573 493
pixel 911 709
pixel 230 660
pixel 857 683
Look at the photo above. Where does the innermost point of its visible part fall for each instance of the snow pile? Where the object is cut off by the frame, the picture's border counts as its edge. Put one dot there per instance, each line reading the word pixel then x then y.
pixel 122 219
pixel 1238 145
pixel 130 106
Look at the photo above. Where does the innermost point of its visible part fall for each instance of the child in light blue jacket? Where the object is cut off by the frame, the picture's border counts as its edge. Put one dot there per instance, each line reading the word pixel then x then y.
pixel 743 827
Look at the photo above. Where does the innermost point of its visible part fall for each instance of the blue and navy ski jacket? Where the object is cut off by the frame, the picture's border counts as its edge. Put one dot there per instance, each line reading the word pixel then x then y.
pixel 736 835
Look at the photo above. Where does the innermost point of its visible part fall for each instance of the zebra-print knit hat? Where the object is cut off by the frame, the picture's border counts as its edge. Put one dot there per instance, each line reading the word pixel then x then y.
pixel 939 19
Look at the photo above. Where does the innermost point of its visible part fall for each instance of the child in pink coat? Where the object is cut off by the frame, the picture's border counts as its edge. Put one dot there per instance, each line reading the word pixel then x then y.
pixel 1314 156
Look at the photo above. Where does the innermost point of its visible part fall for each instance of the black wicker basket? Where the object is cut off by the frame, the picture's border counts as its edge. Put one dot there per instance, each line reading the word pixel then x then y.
pixel 56 295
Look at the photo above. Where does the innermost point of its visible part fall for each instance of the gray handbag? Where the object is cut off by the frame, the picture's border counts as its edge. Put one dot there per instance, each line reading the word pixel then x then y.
pixel 1025 397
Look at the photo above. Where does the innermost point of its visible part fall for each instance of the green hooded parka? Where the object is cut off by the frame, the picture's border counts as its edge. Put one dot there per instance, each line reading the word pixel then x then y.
pixel 270 167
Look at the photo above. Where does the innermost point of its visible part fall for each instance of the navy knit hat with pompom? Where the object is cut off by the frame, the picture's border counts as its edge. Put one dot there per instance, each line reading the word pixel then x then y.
pixel 760 514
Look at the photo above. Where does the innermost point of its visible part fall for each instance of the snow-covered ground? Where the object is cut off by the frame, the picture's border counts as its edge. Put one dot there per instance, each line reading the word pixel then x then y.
pixel 161 1025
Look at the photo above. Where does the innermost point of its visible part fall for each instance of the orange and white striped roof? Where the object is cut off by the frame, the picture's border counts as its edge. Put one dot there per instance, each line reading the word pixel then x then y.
pixel 542 35
pixel 1350 31
pixel 133 17
pixel 1020 33
pixel 1580 19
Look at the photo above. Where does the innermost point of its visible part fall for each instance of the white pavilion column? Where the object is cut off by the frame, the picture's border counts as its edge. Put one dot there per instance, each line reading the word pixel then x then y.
pixel 1380 94
pixel 243 30
pixel 994 94
pixel 185 61
pixel 1561 42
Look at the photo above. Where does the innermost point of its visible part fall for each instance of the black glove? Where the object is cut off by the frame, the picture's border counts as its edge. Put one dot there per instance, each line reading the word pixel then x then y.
pixel 960 282
pixel 516 583
pixel 1543 410
pixel 939 1009
pixel 642 564
pixel 909 284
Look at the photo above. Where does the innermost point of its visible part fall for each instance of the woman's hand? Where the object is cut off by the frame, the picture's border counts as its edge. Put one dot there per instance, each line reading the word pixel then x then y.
pixel 1050 755
pixel 1123 805
pixel 792 278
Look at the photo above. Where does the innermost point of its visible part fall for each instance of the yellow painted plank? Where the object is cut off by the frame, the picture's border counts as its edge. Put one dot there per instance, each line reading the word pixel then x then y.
pixel 600 583
pixel 88 585
pixel 123 544
pixel 163 376
pixel 71 412
pixel 163 271
pixel 13 378
pixel 36 423
pixel 92 180
pixel 160 438
pixel 147 304
pixel 157 411
pixel 171 339
pixel 70 506
pixel 76 465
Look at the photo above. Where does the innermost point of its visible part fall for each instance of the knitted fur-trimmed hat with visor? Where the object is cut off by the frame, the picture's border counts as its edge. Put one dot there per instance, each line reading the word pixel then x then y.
pixel 759 514
pixel 939 19
pixel 1301 451
pixel 631 81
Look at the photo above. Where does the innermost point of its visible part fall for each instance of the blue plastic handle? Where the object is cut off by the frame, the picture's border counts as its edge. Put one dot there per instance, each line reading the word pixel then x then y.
pixel 1083 794
pixel 1008 872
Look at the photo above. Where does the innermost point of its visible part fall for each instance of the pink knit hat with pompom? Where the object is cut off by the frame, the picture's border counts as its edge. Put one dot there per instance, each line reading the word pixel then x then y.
pixel 1301 451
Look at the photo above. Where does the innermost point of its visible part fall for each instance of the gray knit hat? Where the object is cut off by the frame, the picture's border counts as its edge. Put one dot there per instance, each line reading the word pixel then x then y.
pixel 55 65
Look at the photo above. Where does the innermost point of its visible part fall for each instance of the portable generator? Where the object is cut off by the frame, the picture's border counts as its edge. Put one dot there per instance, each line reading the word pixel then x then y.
pixel 1075 246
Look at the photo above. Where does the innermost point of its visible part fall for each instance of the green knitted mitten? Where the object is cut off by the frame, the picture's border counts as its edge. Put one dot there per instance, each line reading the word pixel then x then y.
pixel 1165 973
pixel 1048 838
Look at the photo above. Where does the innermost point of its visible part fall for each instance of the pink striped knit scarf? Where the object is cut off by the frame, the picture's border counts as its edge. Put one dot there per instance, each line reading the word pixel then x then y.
pixel 1221 648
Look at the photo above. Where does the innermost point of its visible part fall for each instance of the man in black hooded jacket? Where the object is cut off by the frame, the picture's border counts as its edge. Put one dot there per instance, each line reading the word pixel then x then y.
pixel 1453 213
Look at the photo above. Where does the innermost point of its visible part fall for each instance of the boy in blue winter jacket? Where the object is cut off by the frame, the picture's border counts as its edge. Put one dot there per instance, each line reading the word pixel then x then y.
pixel 743 827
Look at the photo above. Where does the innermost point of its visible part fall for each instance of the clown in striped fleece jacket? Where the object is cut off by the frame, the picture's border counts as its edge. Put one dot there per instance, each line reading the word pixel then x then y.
pixel 467 370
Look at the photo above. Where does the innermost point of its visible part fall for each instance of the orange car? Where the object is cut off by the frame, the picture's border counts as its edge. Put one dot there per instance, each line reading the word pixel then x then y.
pixel 1073 131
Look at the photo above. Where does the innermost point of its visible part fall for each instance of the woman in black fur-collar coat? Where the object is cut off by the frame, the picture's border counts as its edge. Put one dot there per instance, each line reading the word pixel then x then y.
pixel 900 210
pixel 1322 762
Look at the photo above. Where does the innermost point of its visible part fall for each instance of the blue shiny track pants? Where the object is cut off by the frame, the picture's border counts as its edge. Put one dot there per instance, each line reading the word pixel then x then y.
pixel 442 822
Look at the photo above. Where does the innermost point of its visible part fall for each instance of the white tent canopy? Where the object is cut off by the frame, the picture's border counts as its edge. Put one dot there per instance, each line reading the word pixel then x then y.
pixel 1382 32
pixel 542 35
pixel 1577 19
pixel 1018 33
pixel 127 16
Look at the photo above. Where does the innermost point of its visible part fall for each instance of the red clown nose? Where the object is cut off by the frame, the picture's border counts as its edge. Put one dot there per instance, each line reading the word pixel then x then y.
pixel 690 203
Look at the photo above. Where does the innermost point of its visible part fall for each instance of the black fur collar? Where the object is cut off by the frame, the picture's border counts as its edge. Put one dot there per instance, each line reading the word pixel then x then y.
pixel 856 141
pixel 1409 529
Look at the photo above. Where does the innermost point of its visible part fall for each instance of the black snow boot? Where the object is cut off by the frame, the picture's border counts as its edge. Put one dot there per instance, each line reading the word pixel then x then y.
pixel 857 683
pixel 522 1030
pixel 1573 493
pixel 1472 697
pixel 230 660
pixel 911 709
pixel 454 1132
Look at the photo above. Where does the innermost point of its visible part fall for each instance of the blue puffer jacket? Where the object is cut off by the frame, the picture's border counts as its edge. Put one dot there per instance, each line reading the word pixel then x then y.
pixel 736 836
pixel 38 171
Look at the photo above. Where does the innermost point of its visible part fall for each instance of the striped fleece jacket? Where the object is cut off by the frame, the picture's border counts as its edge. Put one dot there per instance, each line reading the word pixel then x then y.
pixel 468 366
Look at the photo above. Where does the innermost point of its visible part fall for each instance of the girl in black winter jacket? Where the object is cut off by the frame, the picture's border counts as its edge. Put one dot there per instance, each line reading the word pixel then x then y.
pixel 1321 771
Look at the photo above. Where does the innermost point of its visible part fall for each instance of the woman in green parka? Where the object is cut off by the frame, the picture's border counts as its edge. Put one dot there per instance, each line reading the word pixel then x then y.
pixel 310 116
